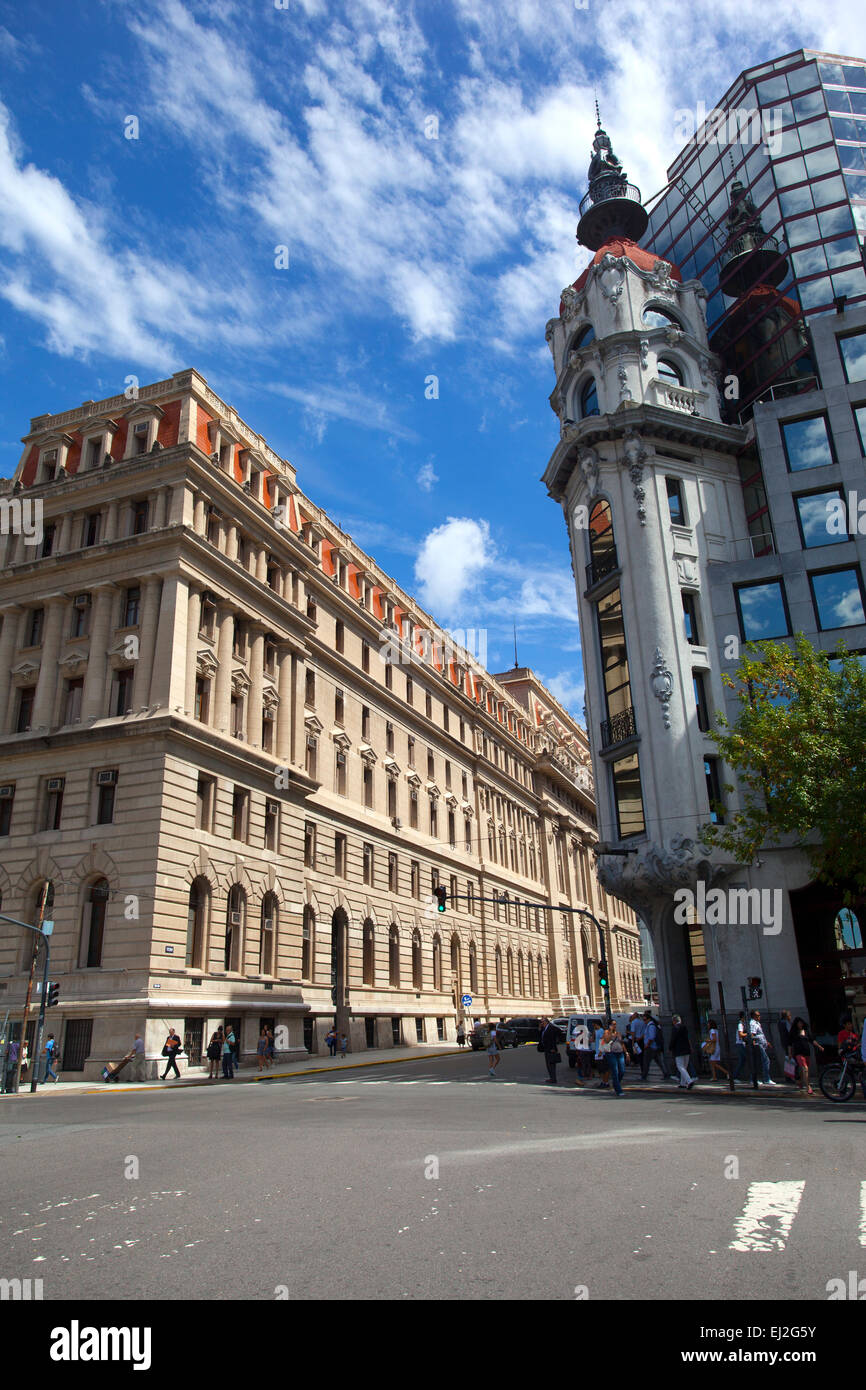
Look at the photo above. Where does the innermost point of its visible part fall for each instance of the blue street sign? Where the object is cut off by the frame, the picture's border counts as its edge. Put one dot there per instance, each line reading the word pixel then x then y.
pixel 47 928
pixel 466 999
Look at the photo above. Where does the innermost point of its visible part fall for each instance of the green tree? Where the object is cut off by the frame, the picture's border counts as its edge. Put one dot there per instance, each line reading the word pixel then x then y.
pixel 798 746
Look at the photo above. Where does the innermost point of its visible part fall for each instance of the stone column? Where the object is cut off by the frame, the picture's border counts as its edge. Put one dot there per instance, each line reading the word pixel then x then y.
pixel 111 521
pixel 193 624
pixel 169 662
pixel 8 645
pixel 199 522
pixel 257 685
pixel 94 680
pixel 222 705
pixel 147 641
pixel 262 564
pixel 285 721
pixel 163 508
pixel 64 540
pixel 46 685
pixel 231 540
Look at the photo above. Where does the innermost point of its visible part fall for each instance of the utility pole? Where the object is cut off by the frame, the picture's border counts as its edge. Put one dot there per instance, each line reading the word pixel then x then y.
pixel 43 898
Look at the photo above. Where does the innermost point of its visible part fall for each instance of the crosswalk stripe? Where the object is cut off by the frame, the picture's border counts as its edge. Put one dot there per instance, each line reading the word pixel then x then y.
pixel 768 1216
pixel 863 1213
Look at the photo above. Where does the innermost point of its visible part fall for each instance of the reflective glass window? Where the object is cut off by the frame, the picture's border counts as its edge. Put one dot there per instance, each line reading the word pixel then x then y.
pixel 834 221
pixel 843 251
pixel 858 103
pixel 798 200
pixel 827 191
pixel 814 514
pixel 791 171
pixel 807 443
pixel 860 417
pixel 589 399
pixel 812 104
pixel 831 72
pixel 849 282
pixel 853 352
pixel 627 797
pixel 803 78
pixel 838 102
pixel 772 89
pixel 853 77
pixel 815 133
pixel 810 262
pixel 851 157
pixel 802 230
pixel 762 610
pixel 838 598
pixel 658 318
pixel 856 185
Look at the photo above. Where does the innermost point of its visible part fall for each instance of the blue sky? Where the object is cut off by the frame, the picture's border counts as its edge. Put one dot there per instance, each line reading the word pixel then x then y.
pixel 307 124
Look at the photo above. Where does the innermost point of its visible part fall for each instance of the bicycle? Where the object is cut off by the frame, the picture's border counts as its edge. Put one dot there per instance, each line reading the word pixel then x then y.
pixel 838 1081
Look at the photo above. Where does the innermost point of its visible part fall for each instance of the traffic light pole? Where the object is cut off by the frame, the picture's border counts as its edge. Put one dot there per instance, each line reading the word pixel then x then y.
pixel 40 1022
pixel 38 928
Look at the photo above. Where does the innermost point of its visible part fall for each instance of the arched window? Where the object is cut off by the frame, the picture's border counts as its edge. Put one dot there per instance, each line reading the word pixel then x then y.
pixel 236 909
pixel 268 935
pixel 93 924
pixel 509 963
pixel 846 929
pixel 669 371
pixel 308 944
pixel 521 978
pixel 531 977
pixel 417 960
pixel 541 976
pixel 394 957
pixel 584 335
pixel 588 399
pixel 473 968
pixel 602 547
pixel 498 963
pixel 654 317
pixel 437 962
pixel 368 954
pixel 196 922
pixel 455 958
pixel 30 937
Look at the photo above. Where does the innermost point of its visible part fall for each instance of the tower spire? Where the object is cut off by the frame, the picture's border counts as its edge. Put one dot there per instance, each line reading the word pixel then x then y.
pixel 612 206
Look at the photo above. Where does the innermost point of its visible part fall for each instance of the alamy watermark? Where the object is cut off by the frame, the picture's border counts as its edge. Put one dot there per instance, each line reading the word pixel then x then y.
pixel 22 516
pixel 434 648
pixel 730 907
pixel 741 125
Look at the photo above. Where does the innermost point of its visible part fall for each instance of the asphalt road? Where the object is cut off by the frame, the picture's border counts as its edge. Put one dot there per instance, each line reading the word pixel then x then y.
pixel 429 1180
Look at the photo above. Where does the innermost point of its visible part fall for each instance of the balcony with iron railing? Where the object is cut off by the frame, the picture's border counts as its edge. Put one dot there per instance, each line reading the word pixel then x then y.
pixel 618 728
pixel 600 567
pixel 609 187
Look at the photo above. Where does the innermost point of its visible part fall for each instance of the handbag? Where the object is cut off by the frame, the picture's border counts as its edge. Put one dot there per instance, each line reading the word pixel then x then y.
pixel 165 1050
pixel 790 1069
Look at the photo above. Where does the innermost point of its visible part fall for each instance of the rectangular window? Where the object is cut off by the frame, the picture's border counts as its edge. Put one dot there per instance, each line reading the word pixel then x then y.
pixel 25 708
pixel 818 516
pixel 368 786
pixel 428 704
pixel 311 757
pixel 132 606
pixel 454 892
pixel 272 825
pixel 340 856
pixel 714 791
pixel 365 724
pixel 309 845
pixel 675 501
pixel 389 737
pixel 852 348
pixel 123 692
pixel 431 766
pixel 447 774
pixel 413 809
pixel 690 619
pixel 392 797
pixel 434 817
pixel 339 637
pixel 310 688
pixel 365 657
pixel 205 797
pixel 860 418
pixel 389 676
pixel 90 530
pixel 72 701
pixel 625 773
pixel 837 596
pixel 138 519
pixel 7 801
pixel 807 443
pixel 105 795
pixel 392 873
pixel 240 814
pixel 763 610
pixel 340 773
pixel 368 863
pixel 701 701
pixel 415 875
pixel 52 810
pixel 202 698
pixel 35 627
pixel 49 536
pixel 410 691
pixel 339 707
pixel 80 616
pixel 411 747
pixel 470 897
pixel 208 620
pixel 445 718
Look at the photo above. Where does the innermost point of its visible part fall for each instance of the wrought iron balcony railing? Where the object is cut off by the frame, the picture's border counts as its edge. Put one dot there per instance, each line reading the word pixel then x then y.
pixel 601 567
pixel 618 728
pixel 609 187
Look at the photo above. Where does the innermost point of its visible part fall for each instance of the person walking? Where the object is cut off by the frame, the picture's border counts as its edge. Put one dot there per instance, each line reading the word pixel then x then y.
pixel 785 1032
pixel 228 1054
pixel 137 1064
pixel 600 1058
pixel 214 1052
pixel 493 1050
pixel 549 1045
pixel 262 1047
pixel 331 1040
pixel 584 1040
pixel 344 1044
pixel 760 1041
pixel 49 1050
pixel 615 1057
pixel 461 1035
pixel 800 1044
pixel 713 1051
pixel 11 1069
pixel 171 1049
pixel 653 1049
pixel 681 1051
pixel 637 1028
pixel 25 1059
pixel 742 1046
pixel 271 1050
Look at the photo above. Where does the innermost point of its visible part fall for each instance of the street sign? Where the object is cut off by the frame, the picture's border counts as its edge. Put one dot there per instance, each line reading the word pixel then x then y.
pixel 47 928
pixel 466 999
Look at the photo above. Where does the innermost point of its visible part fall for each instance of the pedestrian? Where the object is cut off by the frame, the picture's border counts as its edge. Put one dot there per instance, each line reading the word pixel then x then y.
pixel 681 1051
pixel 271 1049
pixel 847 1035
pixel 25 1059
pixel 331 1040
pixel 759 1040
pixel 615 1056
pixel 461 1035
pixel 214 1052
pixel 493 1050
pixel 653 1048
pixel 171 1049
pixel 584 1042
pixel 137 1069
pixel 713 1052
pixel 785 1031
pixel 49 1050
pixel 11 1070
pixel 344 1044
pixel 262 1047
pixel 637 1028
pixel 742 1046
pixel 800 1044
pixel 228 1054
pixel 601 1062
pixel 549 1045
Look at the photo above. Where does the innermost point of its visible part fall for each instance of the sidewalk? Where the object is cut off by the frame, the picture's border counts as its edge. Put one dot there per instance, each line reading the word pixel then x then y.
pixel 372 1057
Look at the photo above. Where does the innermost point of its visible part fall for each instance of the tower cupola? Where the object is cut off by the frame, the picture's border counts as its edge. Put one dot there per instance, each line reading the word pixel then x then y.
pixel 612 206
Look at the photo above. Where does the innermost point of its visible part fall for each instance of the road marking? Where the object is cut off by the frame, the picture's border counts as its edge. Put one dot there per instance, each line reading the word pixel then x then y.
pixel 768 1216
pixel 863 1213
pixel 569 1143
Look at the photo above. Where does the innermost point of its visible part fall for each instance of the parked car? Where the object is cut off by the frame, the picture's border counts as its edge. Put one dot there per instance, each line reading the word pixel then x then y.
pixel 528 1030
pixel 480 1036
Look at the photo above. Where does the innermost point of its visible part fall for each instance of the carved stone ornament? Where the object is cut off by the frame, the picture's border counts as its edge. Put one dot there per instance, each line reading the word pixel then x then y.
pixel 687 570
pixel 657 871
pixel 644 353
pixel 673 335
pixel 611 279
pixel 549 331
pixel 206 664
pixel 661 278
pixel 662 683
pixel 635 455
pixel 567 431
pixel 589 464
pixel 622 377
pixel 576 358
pixel 570 300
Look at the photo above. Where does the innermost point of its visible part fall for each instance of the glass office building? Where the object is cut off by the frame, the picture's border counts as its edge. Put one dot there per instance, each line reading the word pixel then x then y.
pixel 767 207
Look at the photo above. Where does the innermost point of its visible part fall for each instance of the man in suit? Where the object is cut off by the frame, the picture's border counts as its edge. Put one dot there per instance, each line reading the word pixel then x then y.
pixel 549 1045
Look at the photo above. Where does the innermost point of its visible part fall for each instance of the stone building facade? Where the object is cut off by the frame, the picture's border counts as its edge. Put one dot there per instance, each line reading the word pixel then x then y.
pixel 244 758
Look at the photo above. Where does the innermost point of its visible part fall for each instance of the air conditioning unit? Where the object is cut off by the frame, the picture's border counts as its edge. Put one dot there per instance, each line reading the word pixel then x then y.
pixel 56 784
pixel 140 428
pixel 273 808
pixel 107 778
pixel 267 924
pixel 81 601
pixel 7 791
pixel 235 919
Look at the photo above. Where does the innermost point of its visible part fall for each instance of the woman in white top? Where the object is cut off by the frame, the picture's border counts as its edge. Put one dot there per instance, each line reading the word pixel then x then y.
pixel 712 1051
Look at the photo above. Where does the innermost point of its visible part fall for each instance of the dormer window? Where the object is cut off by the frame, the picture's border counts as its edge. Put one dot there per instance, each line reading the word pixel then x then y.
pixel 139 438
pixel 48 466
pixel 94 453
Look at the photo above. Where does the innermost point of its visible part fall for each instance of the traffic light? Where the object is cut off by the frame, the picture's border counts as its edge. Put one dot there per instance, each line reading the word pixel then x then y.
pixel 441 896
pixel 754 989
pixel 602 976
pixel 53 995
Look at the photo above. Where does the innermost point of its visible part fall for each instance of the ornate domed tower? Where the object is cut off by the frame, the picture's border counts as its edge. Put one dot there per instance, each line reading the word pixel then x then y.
pixel 645 471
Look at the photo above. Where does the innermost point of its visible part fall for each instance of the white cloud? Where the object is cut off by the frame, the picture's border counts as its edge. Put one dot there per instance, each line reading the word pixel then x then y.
pixel 426 478
pixel 569 691
pixel 323 402
pixel 450 564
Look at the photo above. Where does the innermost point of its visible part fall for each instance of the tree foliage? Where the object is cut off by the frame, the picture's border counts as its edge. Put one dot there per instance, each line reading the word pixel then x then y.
pixel 798 746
